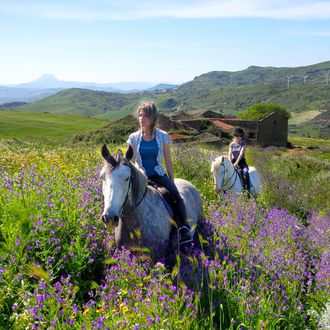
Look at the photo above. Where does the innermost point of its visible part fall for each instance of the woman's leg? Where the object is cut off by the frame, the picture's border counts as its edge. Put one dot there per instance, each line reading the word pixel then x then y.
pixel 167 183
pixel 180 209
pixel 246 174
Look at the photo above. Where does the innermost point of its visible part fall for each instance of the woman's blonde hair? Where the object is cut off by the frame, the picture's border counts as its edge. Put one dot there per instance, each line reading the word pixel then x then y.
pixel 149 109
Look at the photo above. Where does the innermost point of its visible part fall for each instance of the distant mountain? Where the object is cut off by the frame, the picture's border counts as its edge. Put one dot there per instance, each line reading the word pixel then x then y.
pixel 299 89
pixel 12 105
pixel 14 94
pixel 162 87
pixel 50 81
pixel 48 84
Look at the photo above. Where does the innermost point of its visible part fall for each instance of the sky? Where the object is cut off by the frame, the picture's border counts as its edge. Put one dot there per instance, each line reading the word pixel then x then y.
pixel 170 41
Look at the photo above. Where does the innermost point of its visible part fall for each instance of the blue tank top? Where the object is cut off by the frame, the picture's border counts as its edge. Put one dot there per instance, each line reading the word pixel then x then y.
pixel 148 152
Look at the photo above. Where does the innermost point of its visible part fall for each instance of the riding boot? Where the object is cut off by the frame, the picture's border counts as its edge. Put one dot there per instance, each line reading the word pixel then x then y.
pixel 244 180
pixel 247 182
pixel 183 227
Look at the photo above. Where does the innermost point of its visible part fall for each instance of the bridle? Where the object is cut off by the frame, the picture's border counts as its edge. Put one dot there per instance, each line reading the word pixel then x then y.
pixel 228 181
pixel 128 192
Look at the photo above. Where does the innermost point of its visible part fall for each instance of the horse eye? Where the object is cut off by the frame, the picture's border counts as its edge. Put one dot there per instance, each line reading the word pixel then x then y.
pixel 127 179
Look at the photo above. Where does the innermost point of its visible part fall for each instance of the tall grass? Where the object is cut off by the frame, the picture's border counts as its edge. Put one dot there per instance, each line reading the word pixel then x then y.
pixel 252 267
pixel 298 183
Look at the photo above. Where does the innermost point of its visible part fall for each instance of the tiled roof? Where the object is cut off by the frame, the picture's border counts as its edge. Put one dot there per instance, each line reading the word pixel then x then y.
pixel 223 126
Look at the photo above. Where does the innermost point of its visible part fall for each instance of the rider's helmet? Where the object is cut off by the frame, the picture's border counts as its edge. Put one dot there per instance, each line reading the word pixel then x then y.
pixel 238 132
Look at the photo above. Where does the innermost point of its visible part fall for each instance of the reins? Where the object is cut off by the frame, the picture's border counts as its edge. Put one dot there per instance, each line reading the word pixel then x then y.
pixel 224 175
pixel 139 202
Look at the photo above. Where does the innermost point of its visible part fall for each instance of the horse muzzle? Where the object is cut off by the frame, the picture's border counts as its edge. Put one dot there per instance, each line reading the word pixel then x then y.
pixel 110 220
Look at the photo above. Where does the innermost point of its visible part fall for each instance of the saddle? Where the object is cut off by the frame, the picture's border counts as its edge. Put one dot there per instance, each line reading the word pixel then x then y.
pixel 168 199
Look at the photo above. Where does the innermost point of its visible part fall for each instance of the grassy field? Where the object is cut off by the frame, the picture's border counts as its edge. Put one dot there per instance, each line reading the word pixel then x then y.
pixel 267 262
pixel 60 269
pixel 301 117
pixel 44 127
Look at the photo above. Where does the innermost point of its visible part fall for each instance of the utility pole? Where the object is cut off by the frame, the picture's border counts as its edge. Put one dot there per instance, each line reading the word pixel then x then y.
pixel 305 77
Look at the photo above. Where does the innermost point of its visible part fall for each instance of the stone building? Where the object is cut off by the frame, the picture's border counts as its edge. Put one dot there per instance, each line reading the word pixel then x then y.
pixel 269 131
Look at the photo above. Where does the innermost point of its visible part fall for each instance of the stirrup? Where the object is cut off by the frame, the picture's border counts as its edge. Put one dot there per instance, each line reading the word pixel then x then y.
pixel 184 240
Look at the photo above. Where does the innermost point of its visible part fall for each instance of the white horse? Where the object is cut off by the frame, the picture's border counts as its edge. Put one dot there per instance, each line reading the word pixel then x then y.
pixel 227 178
pixel 137 210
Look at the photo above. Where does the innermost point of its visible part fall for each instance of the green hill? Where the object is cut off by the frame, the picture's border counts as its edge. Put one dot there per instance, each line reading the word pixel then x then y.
pixel 44 127
pixel 297 89
pixel 84 102
pixel 115 132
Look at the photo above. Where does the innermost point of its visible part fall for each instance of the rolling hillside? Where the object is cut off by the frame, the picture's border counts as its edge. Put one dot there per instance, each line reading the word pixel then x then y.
pixel 44 127
pixel 297 89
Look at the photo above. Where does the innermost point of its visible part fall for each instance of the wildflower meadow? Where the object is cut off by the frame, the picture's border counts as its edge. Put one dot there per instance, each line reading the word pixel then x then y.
pixel 254 264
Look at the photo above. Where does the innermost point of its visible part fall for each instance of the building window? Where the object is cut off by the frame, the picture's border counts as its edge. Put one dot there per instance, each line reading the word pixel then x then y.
pixel 274 122
pixel 252 135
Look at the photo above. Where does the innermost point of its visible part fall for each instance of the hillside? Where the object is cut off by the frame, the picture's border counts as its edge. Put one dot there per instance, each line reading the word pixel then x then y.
pixel 114 132
pixel 84 102
pixel 297 89
pixel 44 127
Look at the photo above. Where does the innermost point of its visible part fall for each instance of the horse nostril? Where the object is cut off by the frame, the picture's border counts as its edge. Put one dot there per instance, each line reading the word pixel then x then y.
pixel 116 219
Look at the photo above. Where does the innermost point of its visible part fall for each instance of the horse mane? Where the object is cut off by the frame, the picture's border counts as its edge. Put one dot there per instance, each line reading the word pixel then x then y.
pixel 139 181
pixel 216 163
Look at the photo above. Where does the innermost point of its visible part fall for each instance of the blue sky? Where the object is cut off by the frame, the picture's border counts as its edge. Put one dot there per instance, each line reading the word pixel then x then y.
pixel 157 40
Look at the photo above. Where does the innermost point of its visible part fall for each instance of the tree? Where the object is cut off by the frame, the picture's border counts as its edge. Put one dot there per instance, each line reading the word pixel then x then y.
pixel 260 111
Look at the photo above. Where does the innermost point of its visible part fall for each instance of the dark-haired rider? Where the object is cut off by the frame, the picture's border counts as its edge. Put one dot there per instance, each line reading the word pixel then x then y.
pixel 236 155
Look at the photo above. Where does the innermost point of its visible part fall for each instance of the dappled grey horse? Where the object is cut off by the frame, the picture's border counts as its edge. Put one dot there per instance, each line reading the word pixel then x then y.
pixel 226 177
pixel 138 211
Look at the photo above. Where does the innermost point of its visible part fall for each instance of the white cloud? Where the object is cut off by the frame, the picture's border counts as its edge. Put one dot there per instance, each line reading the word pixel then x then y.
pixel 193 9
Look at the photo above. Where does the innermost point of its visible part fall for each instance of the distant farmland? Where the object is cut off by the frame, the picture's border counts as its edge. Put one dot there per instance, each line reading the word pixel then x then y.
pixel 44 127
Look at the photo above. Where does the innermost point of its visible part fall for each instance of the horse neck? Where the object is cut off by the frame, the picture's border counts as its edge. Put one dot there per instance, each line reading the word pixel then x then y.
pixel 231 178
pixel 139 185
pixel 229 167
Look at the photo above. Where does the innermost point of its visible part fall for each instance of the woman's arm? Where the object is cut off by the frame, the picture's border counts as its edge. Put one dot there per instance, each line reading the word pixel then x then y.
pixel 230 154
pixel 168 161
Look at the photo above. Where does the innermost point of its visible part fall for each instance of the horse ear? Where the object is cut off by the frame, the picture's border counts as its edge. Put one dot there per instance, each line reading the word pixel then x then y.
pixel 107 156
pixel 129 153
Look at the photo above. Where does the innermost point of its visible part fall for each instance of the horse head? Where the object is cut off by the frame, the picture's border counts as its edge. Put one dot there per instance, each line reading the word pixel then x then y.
pixel 218 173
pixel 121 184
pixel 116 184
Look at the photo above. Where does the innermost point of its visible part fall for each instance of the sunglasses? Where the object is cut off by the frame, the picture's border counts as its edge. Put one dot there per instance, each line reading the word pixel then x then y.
pixel 240 135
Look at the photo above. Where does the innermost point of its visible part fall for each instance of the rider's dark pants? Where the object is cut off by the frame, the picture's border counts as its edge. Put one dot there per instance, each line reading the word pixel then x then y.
pixel 245 172
pixel 180 208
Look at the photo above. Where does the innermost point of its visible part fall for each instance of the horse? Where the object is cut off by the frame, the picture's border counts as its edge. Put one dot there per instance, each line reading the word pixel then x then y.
pixel 136 210
pixel 227 178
